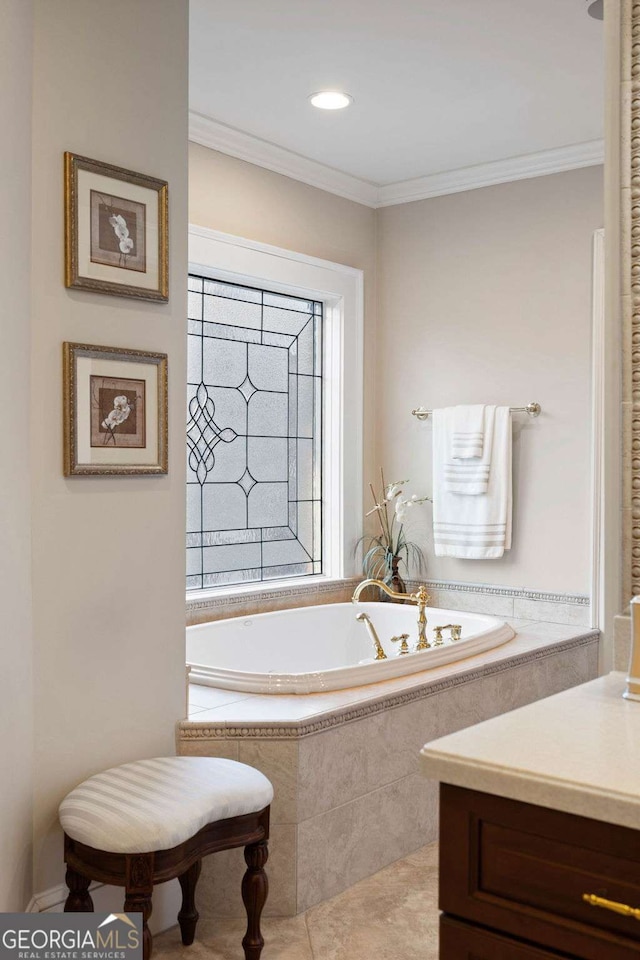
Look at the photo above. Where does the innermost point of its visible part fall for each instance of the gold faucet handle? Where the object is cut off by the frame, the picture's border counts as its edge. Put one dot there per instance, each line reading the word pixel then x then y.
pixel 421 595
pixel 402 639
pixel 456 631
pixel 437 633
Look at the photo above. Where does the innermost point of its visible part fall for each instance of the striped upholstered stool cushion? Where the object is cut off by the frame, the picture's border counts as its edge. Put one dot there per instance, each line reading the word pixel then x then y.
pixel 157 804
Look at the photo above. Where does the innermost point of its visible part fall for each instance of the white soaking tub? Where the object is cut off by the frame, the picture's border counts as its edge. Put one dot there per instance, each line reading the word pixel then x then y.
pixel 313 649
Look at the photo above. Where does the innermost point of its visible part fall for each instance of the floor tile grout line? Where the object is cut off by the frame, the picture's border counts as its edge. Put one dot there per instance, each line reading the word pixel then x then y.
pixel 361 796
pixel 306 926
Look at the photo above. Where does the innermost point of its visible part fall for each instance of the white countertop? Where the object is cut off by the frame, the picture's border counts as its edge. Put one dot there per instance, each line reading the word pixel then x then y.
pixel 578 751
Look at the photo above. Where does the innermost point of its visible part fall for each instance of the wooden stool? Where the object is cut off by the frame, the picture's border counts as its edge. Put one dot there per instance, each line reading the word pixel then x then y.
pixel 147 822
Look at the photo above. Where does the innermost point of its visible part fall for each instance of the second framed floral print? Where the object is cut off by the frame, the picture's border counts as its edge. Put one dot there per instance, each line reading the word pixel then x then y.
pixel 115 411
pixel 116 230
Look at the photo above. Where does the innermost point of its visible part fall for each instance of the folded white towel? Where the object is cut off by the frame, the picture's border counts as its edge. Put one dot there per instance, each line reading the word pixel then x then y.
pixel 471 476
pixel 467 438
pixel 479 527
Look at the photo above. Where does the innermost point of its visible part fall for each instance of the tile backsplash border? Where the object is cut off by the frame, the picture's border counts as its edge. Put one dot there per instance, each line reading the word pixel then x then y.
pixel 491 599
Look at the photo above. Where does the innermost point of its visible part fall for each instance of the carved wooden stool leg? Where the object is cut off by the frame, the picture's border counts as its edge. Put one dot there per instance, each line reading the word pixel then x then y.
pixel 79 899
pixel 138 890
pixel 188 916
pixel 254 894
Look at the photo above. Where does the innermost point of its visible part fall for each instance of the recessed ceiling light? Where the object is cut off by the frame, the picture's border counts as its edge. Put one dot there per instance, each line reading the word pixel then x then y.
pixel 595 9
pixel 330 100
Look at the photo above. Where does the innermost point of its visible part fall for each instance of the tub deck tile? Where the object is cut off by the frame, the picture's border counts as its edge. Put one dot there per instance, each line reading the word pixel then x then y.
pixel 270 711
pixel 207 698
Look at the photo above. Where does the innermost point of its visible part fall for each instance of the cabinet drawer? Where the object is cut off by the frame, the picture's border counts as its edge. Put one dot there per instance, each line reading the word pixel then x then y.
pixel 460 941
pixel 523 870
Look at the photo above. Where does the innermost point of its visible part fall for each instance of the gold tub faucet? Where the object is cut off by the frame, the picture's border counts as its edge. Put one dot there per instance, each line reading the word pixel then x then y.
pixel 420 598
pixel 456 633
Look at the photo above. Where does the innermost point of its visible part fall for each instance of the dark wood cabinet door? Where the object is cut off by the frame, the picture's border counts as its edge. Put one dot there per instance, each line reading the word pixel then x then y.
pixel 523 870
pixel 461 941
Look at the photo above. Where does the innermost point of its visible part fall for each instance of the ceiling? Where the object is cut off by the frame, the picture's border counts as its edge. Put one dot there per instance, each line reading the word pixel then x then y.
pixel 438 85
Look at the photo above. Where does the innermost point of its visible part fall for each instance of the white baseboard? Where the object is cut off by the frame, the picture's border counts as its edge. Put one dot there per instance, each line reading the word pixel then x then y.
pixel 106 899
pixel 44 901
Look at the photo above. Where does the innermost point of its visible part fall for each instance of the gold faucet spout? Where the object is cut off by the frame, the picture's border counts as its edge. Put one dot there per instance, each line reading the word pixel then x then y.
pixel 381 586
pixel 420 598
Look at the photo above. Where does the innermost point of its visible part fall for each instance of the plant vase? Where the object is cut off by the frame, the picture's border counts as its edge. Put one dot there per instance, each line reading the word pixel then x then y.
pixel 395 581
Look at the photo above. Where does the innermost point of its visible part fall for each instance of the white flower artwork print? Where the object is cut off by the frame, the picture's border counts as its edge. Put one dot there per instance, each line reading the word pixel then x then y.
pixel 118 231
pixel 121 231
pixel 117 412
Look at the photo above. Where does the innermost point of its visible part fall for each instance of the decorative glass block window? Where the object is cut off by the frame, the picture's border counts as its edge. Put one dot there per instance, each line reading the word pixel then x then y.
pixel 254 433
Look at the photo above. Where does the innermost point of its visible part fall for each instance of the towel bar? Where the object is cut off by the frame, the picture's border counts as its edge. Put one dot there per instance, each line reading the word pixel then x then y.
pixel 532 409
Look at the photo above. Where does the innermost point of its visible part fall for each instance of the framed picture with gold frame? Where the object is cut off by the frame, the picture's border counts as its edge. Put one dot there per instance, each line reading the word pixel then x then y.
pixel 115 411
pixel 116 230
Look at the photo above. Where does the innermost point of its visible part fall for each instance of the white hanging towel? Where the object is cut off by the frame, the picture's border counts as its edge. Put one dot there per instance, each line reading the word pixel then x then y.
pixel 478 527
pixel 470 476
pixel 467 438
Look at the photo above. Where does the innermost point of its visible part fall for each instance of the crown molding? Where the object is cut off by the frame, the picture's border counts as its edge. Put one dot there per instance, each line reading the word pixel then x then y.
pixel 218 136
pixel 488 174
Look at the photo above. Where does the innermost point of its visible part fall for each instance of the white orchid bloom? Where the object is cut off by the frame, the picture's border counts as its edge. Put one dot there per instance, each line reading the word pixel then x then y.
pixel 119 225
pixel 403 506
pixel 394 489
pixel 118 415
pixel 121 231
pixel 401 510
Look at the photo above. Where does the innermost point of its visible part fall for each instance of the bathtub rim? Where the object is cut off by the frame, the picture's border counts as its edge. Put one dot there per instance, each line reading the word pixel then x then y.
pixel 498 632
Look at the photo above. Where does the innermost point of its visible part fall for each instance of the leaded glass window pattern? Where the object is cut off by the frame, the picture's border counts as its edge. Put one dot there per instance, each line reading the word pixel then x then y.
pixel 254 433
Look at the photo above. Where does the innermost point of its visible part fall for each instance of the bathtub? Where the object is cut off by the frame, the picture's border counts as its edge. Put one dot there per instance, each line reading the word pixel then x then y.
pixel 314 649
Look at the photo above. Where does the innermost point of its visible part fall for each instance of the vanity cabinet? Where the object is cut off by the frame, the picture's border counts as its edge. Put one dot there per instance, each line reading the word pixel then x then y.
pixel 513 878
pixel 463 941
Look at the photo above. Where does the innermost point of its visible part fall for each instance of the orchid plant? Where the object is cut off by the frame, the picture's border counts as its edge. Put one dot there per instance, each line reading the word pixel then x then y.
pixel 390 546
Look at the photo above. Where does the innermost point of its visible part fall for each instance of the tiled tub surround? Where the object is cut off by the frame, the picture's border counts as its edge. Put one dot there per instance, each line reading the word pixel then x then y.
pixel 494 600
pixel 570 609
pixel 348 795
pixel 246 603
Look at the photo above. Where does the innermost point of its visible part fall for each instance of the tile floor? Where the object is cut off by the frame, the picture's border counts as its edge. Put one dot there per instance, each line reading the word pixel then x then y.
pixel 392 915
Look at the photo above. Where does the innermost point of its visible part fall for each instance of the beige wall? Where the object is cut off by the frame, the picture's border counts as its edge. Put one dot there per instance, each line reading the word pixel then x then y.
pixel 486 296
pixel 235 197
pixel 110 82
pixel 504 271
pixel 16 749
